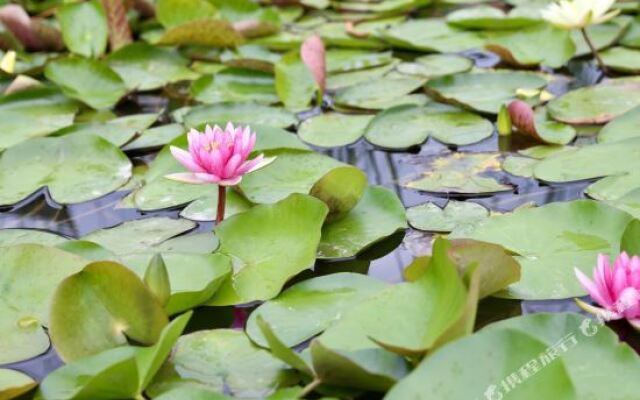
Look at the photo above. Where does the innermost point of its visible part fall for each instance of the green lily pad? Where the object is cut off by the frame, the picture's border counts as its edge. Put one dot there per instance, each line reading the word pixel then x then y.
pixel 164 193
pixel 86 80
pixel 340 80
pixel 333 129
pixel 193 278
pixel 33 112
pixel 206 208
pixel 621 59
pixel 10 237
pixel 121 372
pixel 436 65
pixel 407 318
pixel 99 308
pixel 283 352
pixel 145 67
pixel 225 360
pixel 242 113
pixel 189 390
pixel 155 137
pixel 632 37
pixel 621 128
pixel 175 12
pixel 605 159
pixel 340 60
pixel 30 274
pixel 118 131
pixel 495 266
pixel 381 7
pixel 371 94
pixel 405 126
pixel 294 82
pixel 543 151
pixel 311 306
pixel 235 84
pixel 87 250
pixel 432 35
pixel 487 17
pixel 551 240
pixel 614 187
pixel 84 28
pixel 596 104
pixel 250 56
pixel 369 369
pixel 13 383
pixel 197 243
pixel 470 89
pixel 555 347
pixel 75 168
pixel 202 32
pixel 274 138
pixel 519 166
pixel 139 236
pixel 460 173
pixel 262 265
pixel 378 215
pixel 521 47
pixel 430 217
pixel 602 35
pixel 307 173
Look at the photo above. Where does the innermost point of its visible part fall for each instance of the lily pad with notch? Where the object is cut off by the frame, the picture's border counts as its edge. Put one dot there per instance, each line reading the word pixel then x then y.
pixel 461 174
pixel 74 168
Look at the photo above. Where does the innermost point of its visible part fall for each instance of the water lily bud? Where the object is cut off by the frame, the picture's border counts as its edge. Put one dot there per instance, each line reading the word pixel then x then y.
pixel 504 121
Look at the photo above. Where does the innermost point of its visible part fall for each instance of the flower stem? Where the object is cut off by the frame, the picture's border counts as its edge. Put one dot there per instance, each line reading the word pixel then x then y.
pixel 222 199
pixel 319 97
pixel 594 51
pixel 309 388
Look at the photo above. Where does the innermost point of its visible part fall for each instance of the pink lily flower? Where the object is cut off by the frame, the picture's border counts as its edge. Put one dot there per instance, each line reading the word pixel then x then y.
pixel 616 290
pixel 218 157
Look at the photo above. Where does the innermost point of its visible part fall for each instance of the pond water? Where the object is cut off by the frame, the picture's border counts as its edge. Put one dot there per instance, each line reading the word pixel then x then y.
pixel 446 168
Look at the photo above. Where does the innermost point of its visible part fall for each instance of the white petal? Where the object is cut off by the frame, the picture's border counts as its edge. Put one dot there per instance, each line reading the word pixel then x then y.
pixel 186 177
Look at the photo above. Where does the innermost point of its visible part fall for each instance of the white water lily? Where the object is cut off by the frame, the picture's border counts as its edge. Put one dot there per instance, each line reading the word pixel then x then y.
pixel 578 14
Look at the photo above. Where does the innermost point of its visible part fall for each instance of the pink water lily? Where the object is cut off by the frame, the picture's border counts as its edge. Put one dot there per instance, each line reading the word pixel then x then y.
pixel 220 157
pixel 616 290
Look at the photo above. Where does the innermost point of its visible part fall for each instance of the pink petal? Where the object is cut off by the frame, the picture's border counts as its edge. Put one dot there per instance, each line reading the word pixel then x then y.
pixel 600 279
pixel 619 280
pixel 185 159
pixel 208 131
pixel 590 287
pixel 218 133
pixel 312 53
pixel 634 272
pixel 232 166
pixel 262 163
pixel 217 165
pixel 208 178
pixel 193 138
